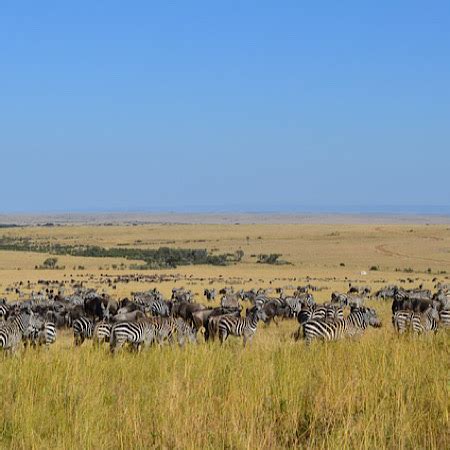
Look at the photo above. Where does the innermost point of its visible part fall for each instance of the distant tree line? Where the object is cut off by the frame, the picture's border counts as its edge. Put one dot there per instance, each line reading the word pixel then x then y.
pixel 163 257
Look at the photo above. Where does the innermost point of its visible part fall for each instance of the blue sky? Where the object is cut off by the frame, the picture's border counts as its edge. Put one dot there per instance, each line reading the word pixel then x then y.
pixel 211 106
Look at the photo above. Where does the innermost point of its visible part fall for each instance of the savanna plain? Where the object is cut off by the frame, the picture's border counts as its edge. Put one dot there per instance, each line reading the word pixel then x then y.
pixel 377 391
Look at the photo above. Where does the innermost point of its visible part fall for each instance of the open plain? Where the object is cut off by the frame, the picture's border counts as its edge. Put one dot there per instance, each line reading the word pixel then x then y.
pixel 378 391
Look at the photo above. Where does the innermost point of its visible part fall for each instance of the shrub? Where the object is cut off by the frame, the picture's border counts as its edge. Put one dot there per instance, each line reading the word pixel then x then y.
pixel 50 263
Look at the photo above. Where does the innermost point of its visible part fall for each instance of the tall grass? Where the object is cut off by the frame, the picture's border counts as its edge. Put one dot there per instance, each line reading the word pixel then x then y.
pixel 377 392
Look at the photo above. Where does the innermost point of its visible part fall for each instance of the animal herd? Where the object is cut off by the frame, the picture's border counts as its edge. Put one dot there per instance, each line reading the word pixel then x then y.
pixel 148 318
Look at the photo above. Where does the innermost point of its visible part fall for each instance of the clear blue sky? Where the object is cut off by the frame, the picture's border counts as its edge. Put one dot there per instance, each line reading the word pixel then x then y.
pixel 251 105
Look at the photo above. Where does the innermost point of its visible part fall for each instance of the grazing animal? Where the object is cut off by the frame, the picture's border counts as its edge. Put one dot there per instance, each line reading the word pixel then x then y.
pixel 46 334
pixel 423 322
pixel 82 330
pixel 312 313
pixel 159 308
pixel 210 294
pixel 141 332
pixel 240 326
pixel 169 328
pixel 334 312
pixel 231 301
pixel 101 333
pixel 12 332
pixel 401 320
pixel 296 304
pixel 357 321
pixel 4 311
pixel 444 318
pixel 212 322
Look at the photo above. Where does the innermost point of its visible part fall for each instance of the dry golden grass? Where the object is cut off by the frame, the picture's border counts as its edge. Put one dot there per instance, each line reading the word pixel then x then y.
pixel 377 392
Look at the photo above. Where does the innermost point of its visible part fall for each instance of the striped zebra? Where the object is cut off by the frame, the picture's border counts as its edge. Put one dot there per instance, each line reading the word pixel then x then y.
pixel 401 321
pixel 159 307
pixel 327 312
pixel 260 300
pixel 213 327
pixel 168 328
pixel 444 318
pixel 12 331
pixel 101 333
pixel 334 312
pixel 314 312
pixel 296 304
pixel 185 332
pixel 240 326
pixel 47 334
pixel 356 322
pixel 82 330
pixel 423 322
pixel 4 311
pixel 136 334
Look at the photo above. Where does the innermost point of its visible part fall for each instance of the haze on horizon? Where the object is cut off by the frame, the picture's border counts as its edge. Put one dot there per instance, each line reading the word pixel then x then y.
pixel 194 106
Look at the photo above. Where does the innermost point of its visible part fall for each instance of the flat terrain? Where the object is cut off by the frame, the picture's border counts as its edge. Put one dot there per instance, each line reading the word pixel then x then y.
pixel 379 391
pixel 224 218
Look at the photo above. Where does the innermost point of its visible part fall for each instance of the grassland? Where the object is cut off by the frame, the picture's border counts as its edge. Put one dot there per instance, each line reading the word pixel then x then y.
pixel 377 392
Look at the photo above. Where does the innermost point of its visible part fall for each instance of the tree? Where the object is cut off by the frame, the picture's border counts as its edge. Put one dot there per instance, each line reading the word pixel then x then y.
pixel 50 263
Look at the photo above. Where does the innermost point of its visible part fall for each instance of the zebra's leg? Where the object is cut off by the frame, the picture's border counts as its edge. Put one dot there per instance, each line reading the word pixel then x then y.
pixel 248 338
pixel 136 347
pixel 296 335
pixel 222 336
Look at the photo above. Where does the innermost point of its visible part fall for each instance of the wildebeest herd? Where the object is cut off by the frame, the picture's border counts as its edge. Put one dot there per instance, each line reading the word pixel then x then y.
pixel 148 318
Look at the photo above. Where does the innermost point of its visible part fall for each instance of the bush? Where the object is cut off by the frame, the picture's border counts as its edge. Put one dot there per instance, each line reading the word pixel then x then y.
pixel 272 258
pixel 50 263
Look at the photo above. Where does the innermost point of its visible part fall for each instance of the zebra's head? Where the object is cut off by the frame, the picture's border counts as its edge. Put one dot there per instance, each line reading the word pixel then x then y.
pixel 372 317
pixel 433 313
pixel 260 314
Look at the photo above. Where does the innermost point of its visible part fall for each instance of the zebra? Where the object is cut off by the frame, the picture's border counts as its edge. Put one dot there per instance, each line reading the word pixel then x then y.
pixel 46 334
pixel 101 333
pixel 356 322
pixel 240 326
pixel 168 328
pixel 328 313
pixel 185 332
pixel 312 313
pixel 297 303
pixel 444 318
pixel 340 299
pixel 401 320
pixel 4 311
pixel 210 294
pixel 427 321
pixel 82 329
pixel 334 312
pixel 12 332
pixel 160 308
pixel 134 333
pixel 362 317
pixel 213 326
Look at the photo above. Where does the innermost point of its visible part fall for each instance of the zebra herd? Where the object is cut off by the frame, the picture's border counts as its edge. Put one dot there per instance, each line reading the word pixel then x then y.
pixel 419 312
pixel 148 319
